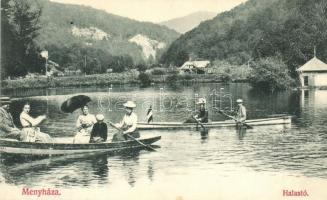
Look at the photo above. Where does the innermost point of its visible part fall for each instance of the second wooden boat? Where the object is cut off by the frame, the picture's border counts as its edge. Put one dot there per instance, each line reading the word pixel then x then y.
pixel 286 120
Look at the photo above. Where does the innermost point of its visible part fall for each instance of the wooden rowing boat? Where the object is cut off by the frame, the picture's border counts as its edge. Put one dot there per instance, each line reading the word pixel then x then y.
pixel 281 120
pixel 62 146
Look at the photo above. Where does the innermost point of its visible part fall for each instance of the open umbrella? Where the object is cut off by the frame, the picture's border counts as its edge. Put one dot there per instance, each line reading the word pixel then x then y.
pixel 74 103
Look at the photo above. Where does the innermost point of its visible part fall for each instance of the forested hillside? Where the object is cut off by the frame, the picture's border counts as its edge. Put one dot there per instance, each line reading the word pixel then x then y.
pixel 76 37
pixel 287 29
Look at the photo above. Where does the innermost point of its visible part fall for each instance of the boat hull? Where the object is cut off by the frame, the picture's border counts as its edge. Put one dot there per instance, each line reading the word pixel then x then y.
pixel 29 148
pixel 283 120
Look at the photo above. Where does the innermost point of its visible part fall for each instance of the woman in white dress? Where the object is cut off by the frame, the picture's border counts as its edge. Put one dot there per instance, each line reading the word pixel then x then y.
pixel 128 125
pixel 32 132
pixel 84 126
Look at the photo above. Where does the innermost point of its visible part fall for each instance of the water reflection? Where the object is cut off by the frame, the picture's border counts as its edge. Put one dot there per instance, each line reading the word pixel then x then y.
pixel 100 168
pixel 69 170
pixel 130 165
pixel 150 171
pixel 297 149
pixel 241 131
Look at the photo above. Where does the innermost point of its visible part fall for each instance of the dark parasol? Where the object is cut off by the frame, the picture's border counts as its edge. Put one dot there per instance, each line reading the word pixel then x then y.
pixel 74 103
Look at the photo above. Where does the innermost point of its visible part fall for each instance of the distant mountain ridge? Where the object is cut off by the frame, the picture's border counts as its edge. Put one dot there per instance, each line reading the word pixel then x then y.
pixel 188 22
pixel 77 30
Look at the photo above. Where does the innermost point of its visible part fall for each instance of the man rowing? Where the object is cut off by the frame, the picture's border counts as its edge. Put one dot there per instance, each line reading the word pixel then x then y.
pixel 128 125
pixel 240 112
pixel 201 115
pixel 7 126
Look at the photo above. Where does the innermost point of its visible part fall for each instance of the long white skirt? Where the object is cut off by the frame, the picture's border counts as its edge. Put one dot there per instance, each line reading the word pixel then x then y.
pixel 82 136
pixel 33 134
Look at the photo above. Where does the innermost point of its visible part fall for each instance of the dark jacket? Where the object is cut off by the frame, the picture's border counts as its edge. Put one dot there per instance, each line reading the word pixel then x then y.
pixel 203 116
pixel 99 130
pixel 6 121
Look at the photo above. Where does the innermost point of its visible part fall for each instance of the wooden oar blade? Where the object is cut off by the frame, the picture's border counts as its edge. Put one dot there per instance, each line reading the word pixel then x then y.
pixel 248 126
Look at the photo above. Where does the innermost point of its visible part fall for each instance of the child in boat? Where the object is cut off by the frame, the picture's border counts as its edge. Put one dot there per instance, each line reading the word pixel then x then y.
pixel 99 131
pixel 84 126
pixel 32 132
pixel 128 125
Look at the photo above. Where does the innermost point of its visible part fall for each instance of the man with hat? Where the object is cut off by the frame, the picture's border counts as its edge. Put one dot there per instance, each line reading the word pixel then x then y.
pixel 201 115
pixel 7 126
pixel 128 125
pixel 99 131
pixel 240 112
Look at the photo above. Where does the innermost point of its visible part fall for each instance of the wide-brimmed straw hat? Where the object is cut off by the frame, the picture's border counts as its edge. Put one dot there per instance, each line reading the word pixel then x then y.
pixel 239 101
pixel 201 101
pixel 99 117
pixel 130 104
pixel 5 101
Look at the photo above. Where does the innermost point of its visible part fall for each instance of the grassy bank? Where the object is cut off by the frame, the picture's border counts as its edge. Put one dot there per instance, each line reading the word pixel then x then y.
pixel 113 78
pixel 71 81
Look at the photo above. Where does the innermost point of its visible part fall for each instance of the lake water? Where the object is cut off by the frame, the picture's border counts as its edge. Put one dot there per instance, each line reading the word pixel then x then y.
pixel 226 164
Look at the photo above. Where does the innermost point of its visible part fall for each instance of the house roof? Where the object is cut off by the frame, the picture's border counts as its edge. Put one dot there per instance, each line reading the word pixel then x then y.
pixel 195 64
pixel 313 65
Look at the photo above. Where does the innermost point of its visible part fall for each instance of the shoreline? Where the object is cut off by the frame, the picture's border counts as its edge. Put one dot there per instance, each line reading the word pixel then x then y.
pixel 109 79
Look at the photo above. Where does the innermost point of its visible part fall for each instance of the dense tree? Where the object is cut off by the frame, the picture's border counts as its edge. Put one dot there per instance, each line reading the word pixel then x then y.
pixel 20 24
pixel 270 74
pixel 257 29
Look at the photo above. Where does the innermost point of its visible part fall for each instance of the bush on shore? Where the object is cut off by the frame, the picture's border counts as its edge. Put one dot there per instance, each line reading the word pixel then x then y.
pixel 144 79
pixel 270 74
pixel 158 71
pixel 228 72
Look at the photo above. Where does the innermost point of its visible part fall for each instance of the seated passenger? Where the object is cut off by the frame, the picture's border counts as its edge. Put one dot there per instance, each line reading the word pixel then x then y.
pixel 84 126
pixel 7 126
pixel 32 132
pixel 99 131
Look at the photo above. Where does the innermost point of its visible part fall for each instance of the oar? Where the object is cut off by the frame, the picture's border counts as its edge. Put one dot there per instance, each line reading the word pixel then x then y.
pixel 231 117
pixel 205 130
pixel 141 143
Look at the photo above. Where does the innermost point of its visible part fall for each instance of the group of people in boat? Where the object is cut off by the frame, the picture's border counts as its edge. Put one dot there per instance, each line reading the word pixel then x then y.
pixel 90 128
pixel 202 116
pixel 93 129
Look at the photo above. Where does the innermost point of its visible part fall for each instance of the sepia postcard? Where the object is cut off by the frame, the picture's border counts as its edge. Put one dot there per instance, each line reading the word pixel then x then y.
pixel 163 99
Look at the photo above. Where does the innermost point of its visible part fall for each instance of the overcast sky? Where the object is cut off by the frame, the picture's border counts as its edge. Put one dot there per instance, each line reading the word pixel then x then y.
pixel 156 10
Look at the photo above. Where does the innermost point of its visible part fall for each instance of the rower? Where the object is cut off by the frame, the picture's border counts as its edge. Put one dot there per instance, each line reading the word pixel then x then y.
pixel 202 115
pixel 240 112
pixel 128 125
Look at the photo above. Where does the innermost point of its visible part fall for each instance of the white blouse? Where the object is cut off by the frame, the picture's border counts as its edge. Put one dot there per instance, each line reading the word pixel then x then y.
pixel 27 121
pixel 88 120
pixel 129 121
